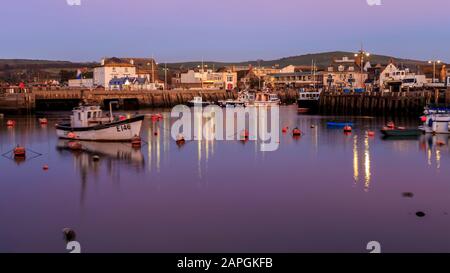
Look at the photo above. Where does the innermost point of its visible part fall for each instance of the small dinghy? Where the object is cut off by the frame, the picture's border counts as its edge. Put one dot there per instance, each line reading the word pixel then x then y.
pixel 339 124
pixel 401 132
pixel 88 123
pixel 198 101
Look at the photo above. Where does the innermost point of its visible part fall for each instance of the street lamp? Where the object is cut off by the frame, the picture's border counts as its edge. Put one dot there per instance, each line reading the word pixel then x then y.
pixel 259 73
pixel 434 62
pixel 362 54
pixel 202 67
pixel 165 76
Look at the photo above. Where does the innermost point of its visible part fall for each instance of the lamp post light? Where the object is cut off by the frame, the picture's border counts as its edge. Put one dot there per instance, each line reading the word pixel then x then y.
pixel 362 54
pixel 434 62
pixel 202 68
pixel 165 76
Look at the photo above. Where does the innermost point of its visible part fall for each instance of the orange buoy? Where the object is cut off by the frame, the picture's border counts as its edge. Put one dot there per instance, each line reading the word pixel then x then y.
pixel 423 118
pixel 244 134
pixel 136 142
pixel 371 133
pixel 19 152
pixel 440 143
pixel 347 129
pixel 296 132
pixel 43 121
pixel 285 129
pixel 10 123
pixel 156 117
pixel 75 146
pixel 45 167
pixel 71 135
pixel 122 118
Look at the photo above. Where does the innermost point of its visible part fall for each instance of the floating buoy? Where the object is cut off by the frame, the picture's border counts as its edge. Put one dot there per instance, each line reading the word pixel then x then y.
pixel 10 123
pixel 440 143
pixel 347 129
pixel 296 132
pixel 45 167
pixel 180 139
pixel 420 214
pixel 423 118
pixel 73 145
pixel 156 117
pixel 408 194
pixel 371 133
pixel 69 234
pixel 136 142
pixel 71 135
pixel 122 118
pixel 390 125
pixel 95 158
pixel 19 152
pixel 285 129
pixel 244 134
pixel 43 121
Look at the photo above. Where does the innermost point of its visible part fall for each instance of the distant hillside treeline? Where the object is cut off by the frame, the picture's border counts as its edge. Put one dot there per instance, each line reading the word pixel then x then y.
pixel 321 60
pixel 14 70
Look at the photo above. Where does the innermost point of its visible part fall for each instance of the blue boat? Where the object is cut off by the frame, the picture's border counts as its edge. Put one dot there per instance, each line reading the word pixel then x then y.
pixel 339 124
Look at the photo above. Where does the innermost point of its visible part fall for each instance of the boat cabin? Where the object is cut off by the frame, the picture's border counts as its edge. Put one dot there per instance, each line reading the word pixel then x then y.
pixel 309 95
pixel 84 116
pixel 261 96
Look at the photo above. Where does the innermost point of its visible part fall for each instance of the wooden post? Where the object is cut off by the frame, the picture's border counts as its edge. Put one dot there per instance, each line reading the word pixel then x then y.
pixel 447 97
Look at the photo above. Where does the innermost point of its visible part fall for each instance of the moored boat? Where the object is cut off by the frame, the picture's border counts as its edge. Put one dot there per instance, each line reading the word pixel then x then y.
pixel 436 121
pixel 308 101
pixel 263 98
pixel 88 123
pixel 339 124
pixel 198 101
pixel 401 132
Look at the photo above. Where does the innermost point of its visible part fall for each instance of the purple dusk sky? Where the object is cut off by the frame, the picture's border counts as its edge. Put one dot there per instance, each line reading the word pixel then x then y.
pixel 232 30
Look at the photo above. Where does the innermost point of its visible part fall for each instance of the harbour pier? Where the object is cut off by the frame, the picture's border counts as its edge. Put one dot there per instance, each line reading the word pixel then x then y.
pixel 46 98
pixel 380 103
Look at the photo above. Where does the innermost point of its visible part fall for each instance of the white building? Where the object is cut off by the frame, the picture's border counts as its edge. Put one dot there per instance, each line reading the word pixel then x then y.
pixel 208 79
pixel 108 71
pixel 81 83
pixel 392 74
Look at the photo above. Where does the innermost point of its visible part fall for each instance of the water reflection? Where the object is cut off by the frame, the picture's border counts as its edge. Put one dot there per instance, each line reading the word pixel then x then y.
pixel 361 157
pixel 367 163
pixel 434 146
pixel 92 157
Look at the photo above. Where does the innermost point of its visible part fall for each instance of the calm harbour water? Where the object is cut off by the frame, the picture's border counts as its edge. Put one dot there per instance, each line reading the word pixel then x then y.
pixel 324 192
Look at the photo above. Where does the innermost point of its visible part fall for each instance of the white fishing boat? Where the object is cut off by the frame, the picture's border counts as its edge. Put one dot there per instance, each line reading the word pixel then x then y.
pixel 308 101
pixel 264 99
pixel 88 123
pixel 198 101
pixel 436 121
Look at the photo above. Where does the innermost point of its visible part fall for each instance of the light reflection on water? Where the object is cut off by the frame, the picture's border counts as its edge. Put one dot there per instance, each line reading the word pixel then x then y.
pixel 325 191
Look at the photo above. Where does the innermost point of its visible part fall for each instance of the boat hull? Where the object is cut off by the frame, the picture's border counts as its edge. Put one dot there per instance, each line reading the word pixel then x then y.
pixel 198 104
pixel 436 127
pixel 308 106
pixel 123 130
pixel 339 124
pixel 262 103
pixel 402 133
